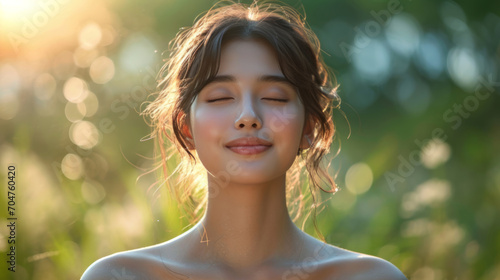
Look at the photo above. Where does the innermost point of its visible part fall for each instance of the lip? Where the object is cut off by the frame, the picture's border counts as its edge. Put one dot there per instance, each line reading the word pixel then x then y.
pixel 249 145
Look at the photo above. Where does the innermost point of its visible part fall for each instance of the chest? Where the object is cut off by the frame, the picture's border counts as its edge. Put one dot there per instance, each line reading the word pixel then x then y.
pixel 304 271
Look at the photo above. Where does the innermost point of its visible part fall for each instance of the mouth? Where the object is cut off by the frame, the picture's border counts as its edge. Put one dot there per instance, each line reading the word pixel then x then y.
pixel 249 150
pixel 249 145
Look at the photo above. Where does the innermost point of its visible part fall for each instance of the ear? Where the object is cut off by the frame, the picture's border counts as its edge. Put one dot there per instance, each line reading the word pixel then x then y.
pixel 186 132
pixel 307 134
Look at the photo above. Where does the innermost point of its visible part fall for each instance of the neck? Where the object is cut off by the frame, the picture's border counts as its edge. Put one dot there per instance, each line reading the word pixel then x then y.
pixel 247 225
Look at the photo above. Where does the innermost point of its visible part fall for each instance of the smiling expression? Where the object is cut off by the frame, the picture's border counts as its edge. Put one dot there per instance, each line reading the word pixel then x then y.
pixel 250 116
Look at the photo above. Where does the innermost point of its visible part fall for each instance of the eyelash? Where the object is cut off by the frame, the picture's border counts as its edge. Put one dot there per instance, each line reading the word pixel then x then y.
pixel 272 99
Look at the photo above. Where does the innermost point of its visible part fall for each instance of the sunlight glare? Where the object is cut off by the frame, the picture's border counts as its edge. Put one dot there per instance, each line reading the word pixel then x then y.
pixel 13 10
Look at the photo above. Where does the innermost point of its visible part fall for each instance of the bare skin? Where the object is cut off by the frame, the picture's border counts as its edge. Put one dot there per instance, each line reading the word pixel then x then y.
pixel 178 259
pixel 246 232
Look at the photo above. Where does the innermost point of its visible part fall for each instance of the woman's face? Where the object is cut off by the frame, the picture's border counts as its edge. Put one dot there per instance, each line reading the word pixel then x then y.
pixel 249 97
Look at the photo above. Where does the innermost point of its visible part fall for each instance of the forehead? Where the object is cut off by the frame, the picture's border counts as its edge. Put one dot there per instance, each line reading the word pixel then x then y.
pixel 248 57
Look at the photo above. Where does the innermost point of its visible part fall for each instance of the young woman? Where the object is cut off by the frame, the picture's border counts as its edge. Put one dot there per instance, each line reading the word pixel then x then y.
pixel 247 94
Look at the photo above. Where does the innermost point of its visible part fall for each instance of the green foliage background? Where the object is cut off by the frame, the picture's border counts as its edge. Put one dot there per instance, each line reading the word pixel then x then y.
pixel 429 68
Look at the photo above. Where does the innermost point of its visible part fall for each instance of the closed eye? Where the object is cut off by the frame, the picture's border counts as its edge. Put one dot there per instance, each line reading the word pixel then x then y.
pixel 218 99
pixel 277 100
pixel 271 99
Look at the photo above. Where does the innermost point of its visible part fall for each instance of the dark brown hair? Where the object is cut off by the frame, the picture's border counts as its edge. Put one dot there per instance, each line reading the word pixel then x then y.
pixel 194 60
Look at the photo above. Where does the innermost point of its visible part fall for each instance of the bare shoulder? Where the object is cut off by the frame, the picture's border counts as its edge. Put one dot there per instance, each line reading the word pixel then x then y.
pixel 144 264
pixel 123 265
pixel 109 267
pixel 370 267
pixel 345 264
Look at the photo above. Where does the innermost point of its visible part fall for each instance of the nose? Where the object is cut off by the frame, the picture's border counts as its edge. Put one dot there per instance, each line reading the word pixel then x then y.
pixel 248 116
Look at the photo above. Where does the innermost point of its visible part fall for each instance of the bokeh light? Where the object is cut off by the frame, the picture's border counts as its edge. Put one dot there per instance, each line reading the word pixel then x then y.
pixel 453 16
pixel 102 70
pixel 359 178
pixel 75 90
pixel 91 104
pixel 463 68
pixel 84 134
pixel 9 105
pixel 435 153
pixel 431 56
pixel 74 112
pixel 403 34
pixel 90 36
pixel 373 62
pixel 72 166
pixel 93 192
pixel 429 193
pixel 138 52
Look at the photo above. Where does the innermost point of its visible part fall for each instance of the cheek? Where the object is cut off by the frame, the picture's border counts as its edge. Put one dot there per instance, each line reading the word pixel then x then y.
pixel 207 123
pixel 287 123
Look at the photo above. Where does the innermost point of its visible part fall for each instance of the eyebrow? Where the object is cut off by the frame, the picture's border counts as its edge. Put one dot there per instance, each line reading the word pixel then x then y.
pixel 263 78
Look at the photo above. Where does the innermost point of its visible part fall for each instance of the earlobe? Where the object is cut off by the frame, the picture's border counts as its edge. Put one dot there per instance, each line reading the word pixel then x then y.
pixel 307 135
pixel 306 142
pixel 189 142
pixel 186 132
